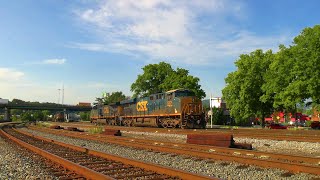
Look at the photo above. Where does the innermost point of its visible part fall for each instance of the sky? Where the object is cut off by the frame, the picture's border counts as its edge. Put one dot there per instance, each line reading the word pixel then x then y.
pixel 88 47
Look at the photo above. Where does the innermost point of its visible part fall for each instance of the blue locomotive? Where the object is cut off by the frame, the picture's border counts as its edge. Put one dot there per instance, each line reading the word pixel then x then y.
pixel 178 108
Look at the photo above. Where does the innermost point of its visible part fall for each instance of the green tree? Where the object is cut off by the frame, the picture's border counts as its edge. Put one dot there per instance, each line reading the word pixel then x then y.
pixel 110 98
pixel 45 113
pixel 161 77
pixel 99 101
pixel 278 79
pixel 15 111
pixel 15 118
pixel 114 97
pixel 293 76
pixel 85 116
pixel 17 101
pixel 38 116
pixel 181 79
pixel 306 72
pixel 153 76
pixel 244 87
pixel 217 116
pixel 27 116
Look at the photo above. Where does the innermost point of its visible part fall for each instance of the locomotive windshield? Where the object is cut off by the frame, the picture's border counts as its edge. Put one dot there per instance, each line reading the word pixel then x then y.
pixel 184 93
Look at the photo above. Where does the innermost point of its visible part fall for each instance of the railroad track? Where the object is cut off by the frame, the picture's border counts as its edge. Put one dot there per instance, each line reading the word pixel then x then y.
pixel 273 134
pixel 83 163
pixel 262 159
pixel 301 136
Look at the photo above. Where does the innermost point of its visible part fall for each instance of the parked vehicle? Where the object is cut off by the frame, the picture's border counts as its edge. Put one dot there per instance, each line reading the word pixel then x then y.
pixel 59 117
pixel 315 125
pixel 72 117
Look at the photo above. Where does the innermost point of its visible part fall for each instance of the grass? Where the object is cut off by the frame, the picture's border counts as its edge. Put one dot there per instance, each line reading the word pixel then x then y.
pixel 96 130
pixel 43 124
pixel 229 127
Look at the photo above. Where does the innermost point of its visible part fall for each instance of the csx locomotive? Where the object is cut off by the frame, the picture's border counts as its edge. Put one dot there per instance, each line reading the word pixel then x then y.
pixel 171 109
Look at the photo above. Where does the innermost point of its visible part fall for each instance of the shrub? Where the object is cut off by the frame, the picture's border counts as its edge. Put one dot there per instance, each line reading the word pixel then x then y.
pixel 96 130
pixel 44 124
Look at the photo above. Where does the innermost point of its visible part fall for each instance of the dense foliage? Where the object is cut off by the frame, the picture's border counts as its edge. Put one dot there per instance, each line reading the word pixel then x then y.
pixel 218 118
pixel 85 116
pixel 111 98
pixel 243 90
pixel 162 77
pixel 264 81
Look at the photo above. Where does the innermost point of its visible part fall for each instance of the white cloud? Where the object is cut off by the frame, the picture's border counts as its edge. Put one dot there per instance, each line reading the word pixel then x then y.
pixel 54 61
pixel 191 31
pixel 8 74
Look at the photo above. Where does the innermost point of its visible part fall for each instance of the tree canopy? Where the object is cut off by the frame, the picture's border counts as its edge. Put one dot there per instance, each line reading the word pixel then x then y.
pixel 162 77
pixel 111 98
pixel 153 76
pixel 243 90
pixel 114 97
pixel 293 76
pixel 264 82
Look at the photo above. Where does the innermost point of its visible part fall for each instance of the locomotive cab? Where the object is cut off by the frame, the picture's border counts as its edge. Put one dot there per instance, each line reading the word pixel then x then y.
pixel 188 106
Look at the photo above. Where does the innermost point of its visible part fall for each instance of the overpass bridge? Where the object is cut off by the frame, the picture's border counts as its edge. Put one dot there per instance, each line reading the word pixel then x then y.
pixel 28 106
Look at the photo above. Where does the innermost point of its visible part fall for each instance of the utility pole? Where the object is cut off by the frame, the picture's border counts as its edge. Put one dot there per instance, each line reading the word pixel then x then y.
pixel 64 111
pixel 62 93
pixel 59 96
pixel 211 109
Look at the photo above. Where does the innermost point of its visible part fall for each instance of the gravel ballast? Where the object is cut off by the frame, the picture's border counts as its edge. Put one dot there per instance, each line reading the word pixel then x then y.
pixel 263 145
pixel 219 169
pixel 18 163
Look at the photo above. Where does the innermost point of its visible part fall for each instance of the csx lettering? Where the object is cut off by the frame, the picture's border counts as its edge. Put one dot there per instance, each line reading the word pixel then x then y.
pixel 142 106
pixel 169 103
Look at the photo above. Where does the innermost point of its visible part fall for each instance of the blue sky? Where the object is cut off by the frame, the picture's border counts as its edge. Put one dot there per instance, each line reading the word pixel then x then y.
pixel 95 46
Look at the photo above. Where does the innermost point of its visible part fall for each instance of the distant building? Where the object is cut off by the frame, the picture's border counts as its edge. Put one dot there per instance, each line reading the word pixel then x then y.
pixel 4 101
pixel 84 104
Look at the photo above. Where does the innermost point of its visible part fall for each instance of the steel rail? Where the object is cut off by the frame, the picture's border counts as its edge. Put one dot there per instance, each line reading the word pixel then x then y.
pixel 281 137
pixel 301 136
pixel 143 165
pixel 88 173
pixel 293 167
pixel 206 148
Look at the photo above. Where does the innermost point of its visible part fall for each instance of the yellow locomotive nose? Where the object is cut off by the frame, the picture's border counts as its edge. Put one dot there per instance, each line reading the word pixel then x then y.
pixel 191 105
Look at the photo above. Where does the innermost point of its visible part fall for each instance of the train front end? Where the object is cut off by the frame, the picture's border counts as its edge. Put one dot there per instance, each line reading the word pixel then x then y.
pixel 192 114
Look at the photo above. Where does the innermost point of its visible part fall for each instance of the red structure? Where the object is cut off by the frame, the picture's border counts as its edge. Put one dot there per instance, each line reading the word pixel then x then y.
pixel 281 117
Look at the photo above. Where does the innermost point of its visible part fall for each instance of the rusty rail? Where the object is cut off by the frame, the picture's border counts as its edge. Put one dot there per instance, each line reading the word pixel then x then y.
pixel 148 166
pixel 300 135
pixel 89 174
pixel 211 153
pixel 205 148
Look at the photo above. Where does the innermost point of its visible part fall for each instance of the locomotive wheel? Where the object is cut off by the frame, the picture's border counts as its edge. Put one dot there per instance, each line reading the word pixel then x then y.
pixel 127 122
pixel 164 125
